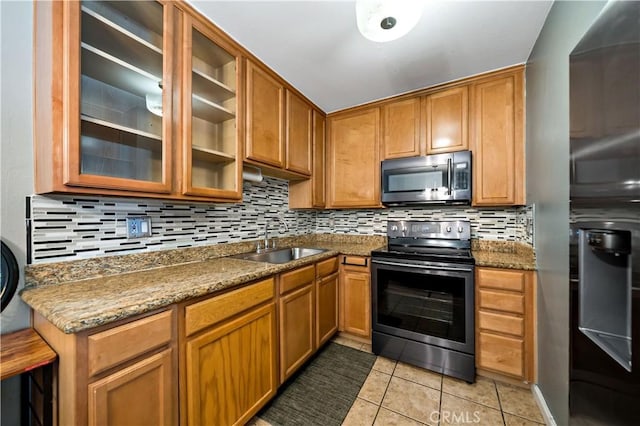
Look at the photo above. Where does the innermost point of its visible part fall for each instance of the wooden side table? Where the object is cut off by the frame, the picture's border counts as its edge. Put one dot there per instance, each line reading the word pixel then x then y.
pixel 25 353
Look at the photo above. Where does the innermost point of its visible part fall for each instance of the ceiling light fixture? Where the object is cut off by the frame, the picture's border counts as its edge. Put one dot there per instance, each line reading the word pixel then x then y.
pixel 386 20
pixel 154 103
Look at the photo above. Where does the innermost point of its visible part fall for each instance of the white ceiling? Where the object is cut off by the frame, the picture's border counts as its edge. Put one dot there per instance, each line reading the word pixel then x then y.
pixel 316 46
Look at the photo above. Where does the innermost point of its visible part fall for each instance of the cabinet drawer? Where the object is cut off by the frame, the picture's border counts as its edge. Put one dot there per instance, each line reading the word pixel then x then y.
pixel 504 280
pixel 112 347
pixel 327 267
pixel 298 278
pixel 203 314
pixel 501 301
pixel 501 354
pixel 356 263
pixel 501 323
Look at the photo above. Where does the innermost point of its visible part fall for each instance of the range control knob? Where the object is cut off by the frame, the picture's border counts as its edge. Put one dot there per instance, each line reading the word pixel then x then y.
pixel 394 227
pixel 448 229
pixel 460 229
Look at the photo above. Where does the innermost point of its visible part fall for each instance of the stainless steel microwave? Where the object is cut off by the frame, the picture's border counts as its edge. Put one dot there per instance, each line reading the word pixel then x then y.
pixel 430 179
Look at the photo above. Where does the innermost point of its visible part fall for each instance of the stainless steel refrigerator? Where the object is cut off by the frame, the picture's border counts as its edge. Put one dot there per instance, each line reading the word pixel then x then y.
pixel 605 220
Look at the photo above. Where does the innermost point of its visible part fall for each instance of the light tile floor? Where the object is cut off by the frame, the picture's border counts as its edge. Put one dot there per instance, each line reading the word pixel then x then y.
pixel 400 394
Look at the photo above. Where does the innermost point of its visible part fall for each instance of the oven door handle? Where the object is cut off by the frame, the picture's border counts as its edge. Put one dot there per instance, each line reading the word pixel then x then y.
pixel 430 267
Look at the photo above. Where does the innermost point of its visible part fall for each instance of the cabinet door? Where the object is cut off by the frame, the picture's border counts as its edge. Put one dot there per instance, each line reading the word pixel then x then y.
pixel 118 98
pixel 401 124
pixel 447 120
pixel 306 194
pixel 298 152
pixel 355 303
pixel 143 393
pixel 326 308
pixel 296 312
pixel 210 135
pixel 498 143
pixel 354 160
pixel 231 369
pixel 265 119
pixel 319 154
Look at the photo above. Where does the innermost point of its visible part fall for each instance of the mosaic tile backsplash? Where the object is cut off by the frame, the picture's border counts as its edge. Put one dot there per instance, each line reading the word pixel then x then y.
pixel 66 227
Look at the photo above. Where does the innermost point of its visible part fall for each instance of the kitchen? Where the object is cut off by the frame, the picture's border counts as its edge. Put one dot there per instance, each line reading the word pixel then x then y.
pixel 89 219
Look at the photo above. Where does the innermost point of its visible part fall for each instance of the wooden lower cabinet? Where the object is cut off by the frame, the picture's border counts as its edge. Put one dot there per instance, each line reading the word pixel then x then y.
pixel 296 315
pixel 326 308
pixel 230 360
pixel 119 374
pixel 505 323
pixel 503 354
pixel 355 296
pixel 231 369
pixel 227 349
pixel 137 395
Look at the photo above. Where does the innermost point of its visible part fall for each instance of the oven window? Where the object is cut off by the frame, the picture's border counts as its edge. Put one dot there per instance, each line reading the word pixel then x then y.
pixel 431 305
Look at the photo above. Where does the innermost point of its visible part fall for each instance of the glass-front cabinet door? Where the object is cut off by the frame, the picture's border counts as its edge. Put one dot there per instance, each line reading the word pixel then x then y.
pixel 120 135
pixel 210 131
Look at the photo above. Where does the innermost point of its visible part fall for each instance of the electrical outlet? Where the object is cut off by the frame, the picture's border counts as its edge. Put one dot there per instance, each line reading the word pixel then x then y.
pixel 138 227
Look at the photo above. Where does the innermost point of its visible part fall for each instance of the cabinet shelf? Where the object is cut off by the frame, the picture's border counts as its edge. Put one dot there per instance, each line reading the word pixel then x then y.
pixel 209 53
pixel 120 127
pixel 105 35
pixel 101 66
pixel 211 155
pixel 210 111
pixel 143 18
pixel 210 88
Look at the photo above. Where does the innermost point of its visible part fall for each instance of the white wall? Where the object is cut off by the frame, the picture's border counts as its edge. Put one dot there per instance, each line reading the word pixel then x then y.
pixel 16 153
pixel 548 187
pixel 16 162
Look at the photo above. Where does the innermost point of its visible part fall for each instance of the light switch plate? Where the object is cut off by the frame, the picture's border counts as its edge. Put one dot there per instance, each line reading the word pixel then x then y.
pixel 138 227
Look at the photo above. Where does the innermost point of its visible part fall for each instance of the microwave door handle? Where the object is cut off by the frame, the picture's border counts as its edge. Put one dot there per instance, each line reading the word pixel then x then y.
pixel 450 176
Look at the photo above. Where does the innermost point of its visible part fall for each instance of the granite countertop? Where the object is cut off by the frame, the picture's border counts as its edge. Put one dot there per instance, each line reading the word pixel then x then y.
pixel 79 295
pixel 503 254
pixel 113 293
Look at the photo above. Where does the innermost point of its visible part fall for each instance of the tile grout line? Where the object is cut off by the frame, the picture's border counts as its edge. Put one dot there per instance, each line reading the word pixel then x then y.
pixel 495 385
pixel 385 391
pixel 440 402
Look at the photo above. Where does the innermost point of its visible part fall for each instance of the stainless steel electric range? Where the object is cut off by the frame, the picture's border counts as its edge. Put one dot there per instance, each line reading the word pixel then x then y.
pixel 423 297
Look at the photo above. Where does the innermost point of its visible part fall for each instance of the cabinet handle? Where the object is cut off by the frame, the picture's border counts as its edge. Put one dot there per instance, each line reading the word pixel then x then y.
pixel 365 264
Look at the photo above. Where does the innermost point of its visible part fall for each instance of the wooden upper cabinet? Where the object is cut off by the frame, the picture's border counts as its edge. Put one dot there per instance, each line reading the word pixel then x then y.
pixel 265 117
pixel 142 99
pixel 401 123
pixel 298 134
pixel 318 179
pixel 498 141
pixel 353 172
pixel 310 193
pixel 103 99
pixel 212 166
pixel 446 114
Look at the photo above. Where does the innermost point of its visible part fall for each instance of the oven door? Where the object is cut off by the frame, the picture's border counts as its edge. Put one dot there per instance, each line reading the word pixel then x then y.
pixel 427 302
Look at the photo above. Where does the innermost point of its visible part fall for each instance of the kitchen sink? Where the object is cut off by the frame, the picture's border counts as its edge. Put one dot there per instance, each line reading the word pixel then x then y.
pixel 280 255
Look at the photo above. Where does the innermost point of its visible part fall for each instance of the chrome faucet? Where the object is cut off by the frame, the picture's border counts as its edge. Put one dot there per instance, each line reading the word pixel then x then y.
pixel 265 243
